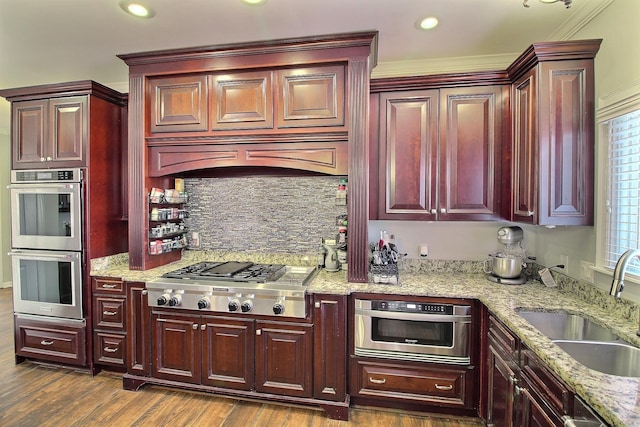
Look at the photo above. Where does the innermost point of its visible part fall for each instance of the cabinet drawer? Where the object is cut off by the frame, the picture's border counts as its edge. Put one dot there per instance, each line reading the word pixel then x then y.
pixel 54 341
pixel 109 349
pixel 108 285
pixel 502 336
pixel 449 386
pixel 109 313
pixel 545 383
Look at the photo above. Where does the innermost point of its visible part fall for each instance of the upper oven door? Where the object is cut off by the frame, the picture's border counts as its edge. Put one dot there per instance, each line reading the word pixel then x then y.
pixel 46 216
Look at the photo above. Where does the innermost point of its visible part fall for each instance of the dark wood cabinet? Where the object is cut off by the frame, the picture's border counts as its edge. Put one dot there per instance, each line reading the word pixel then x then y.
pixel 138 330
pixel 109 322
pixel 50 132
pixel 242 101
pixel 553 140
pixel 178 104
pixel 439 152
pixel 228 353
pixel 50 339
pixel 283 357
pixel 502 370
pixel 175 347
pixel 330 347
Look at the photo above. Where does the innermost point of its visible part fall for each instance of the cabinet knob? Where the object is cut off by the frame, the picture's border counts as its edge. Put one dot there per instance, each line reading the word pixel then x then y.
pixel 317 304
pixel 258 331
pixel 42 159
pixel 433 211
pixel 194 326
pixel 443 210
pixel 145 292
pixel 203 327
pixel 529 213
pixel 49 158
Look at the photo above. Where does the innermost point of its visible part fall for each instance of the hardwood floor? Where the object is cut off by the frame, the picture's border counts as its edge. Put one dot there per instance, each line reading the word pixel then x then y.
pixel 33 395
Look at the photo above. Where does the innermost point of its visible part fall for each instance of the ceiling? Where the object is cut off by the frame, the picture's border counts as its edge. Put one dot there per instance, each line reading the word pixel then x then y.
pixel 50 41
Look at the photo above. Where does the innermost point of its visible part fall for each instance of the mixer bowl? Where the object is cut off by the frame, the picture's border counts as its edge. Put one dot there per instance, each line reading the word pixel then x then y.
pixel 507 267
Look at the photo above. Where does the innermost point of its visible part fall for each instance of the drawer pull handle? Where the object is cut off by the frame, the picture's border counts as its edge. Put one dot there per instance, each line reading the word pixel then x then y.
pixel 375 381
pixel 108 285
pixel 109 313
pixel 110 350
pixel 45 342
pixel 444 387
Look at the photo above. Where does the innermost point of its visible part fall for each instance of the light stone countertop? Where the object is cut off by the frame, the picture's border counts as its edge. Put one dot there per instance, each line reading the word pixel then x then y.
pixel 616 399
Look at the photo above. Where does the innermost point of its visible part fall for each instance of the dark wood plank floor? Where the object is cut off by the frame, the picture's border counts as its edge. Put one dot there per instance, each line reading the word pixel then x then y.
pixel 33 395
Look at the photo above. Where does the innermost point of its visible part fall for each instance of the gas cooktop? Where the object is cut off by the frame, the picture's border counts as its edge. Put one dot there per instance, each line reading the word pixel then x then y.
pixel 233 271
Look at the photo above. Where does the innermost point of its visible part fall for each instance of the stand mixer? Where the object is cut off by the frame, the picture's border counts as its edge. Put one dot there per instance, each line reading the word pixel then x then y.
pixel 507 266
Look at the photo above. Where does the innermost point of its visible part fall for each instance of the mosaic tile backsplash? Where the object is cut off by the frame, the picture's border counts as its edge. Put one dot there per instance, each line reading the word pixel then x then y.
pixel 264 214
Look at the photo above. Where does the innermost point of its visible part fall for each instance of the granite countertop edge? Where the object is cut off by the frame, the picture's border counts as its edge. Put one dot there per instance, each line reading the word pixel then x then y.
pixel 616 399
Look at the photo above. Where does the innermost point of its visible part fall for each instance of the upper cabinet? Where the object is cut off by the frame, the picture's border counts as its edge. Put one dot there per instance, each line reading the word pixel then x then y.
pixel 438 152
pixel 53 125
pixel 49 132
pixel 553 142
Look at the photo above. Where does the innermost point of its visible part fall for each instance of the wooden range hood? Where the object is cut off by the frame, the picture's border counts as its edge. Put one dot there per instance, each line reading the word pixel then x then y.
pixel 299 103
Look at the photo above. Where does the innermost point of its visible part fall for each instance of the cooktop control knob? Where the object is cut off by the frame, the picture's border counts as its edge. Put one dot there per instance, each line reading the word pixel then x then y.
pixel 234 305
pixel 278 308
pixel 204 303
pixel 246 306
pixel 175 300
pixel 163 299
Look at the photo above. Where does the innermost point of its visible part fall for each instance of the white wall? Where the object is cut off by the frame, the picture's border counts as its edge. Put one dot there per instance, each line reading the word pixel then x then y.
pixel 5 234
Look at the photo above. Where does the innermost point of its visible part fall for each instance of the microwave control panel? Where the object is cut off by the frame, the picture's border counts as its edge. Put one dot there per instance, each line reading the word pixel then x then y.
pixel 412 307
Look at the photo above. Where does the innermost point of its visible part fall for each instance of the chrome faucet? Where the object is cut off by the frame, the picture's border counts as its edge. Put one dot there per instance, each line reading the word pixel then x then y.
pixel 617 286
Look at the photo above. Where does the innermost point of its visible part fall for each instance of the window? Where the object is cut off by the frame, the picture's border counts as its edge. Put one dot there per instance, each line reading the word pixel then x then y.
pixel 623 192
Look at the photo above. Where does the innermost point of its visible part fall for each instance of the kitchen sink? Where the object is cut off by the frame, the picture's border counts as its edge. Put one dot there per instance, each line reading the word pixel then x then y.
pixel 613 358
pixel 560 325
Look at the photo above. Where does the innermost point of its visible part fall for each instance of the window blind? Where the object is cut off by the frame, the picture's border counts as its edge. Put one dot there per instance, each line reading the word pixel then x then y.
pixel 623 201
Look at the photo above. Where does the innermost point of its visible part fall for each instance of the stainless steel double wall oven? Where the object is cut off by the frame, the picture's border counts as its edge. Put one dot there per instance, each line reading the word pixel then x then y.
pixel 47 255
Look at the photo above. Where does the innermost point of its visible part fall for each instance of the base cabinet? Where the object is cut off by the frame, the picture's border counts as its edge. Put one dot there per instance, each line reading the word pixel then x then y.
pixel 109 322
pixel 53 340
pixel 448 386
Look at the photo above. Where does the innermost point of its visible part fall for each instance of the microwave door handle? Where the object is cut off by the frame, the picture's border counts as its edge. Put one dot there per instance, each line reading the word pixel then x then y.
pixel 414 316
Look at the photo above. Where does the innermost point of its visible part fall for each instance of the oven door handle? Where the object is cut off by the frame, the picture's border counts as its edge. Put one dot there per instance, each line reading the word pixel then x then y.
pixel 415 316
pixel 37 255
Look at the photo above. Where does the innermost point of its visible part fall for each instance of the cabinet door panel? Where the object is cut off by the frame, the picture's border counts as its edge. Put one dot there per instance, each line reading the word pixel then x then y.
pixel 51 341
pixel 29 118
pixel 284 359
pixel 109 349
pixel 330 347
pixel 566 144
pixel 501 410
pixel 178 104
pixel 68 128
pixel 109 313
pixel 408 153
pixel 228 353
pixel 138 330
pixel 176 348
pixel 470 152
pixel 242 101
pixel 524 148
pixel 310 97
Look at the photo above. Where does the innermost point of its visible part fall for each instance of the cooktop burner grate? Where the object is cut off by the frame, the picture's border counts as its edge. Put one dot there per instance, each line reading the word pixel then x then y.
pixel 232 271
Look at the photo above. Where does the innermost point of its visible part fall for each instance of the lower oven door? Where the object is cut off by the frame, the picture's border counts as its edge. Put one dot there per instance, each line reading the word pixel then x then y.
pixel 436 338
pixel 47 283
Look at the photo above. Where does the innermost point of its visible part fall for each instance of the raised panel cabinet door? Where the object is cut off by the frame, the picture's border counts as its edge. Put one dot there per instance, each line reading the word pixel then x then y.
pixel 68 124
pixel 138 330
pixel 228 353
pixel 283 358
pixel 175 347
pixel 471 133
pixel 566 143
pixel 501 410
pixel 311 97
pixel 330 347
pixel 408 155
pixel 531 412
pixel 29 132
pixel 242 101
pixel 524 172
pixel 178 104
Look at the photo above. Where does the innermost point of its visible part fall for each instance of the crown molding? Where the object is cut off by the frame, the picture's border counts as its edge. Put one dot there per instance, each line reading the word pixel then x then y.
pixel 443 65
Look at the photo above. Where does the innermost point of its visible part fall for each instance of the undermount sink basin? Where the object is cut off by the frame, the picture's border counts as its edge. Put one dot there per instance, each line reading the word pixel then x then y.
pixel 567 326
pixel 586 341
pixel 613 358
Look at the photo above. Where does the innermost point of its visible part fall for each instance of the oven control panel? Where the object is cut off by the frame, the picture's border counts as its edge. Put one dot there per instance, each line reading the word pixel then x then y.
pixel 412 307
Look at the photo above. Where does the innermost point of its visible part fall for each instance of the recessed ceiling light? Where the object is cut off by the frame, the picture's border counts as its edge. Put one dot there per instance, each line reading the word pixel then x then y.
pixel 136 9
pixel 427 23
pixel 254 2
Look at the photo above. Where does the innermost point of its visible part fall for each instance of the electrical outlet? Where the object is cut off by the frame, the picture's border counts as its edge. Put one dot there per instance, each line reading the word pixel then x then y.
pixel 564 260
pixel 195 240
